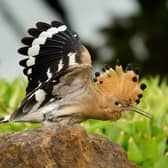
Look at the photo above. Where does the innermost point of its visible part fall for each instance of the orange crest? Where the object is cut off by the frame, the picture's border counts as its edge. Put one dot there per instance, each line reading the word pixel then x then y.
pixel 120 84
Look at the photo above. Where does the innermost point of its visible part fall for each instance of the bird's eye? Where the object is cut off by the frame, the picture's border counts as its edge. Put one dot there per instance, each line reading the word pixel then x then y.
pixel 117 103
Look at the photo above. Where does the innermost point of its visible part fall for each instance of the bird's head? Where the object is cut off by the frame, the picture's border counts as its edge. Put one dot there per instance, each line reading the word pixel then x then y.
pixel 121 91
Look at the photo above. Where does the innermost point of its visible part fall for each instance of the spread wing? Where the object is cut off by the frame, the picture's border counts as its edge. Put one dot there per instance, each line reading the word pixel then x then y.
pixel 49 50
pixel 52 51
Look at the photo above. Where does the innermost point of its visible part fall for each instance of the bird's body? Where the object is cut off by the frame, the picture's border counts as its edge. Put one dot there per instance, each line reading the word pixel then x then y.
pixel 60 89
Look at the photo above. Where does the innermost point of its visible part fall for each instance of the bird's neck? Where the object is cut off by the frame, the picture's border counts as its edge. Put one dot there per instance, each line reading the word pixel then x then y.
pixel 100 107
pixel 93 105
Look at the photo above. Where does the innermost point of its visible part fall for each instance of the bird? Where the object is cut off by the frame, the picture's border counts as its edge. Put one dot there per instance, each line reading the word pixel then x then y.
pixel 60 88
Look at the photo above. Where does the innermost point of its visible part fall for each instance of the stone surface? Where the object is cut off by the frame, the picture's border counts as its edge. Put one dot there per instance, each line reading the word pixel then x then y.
pixel 66 147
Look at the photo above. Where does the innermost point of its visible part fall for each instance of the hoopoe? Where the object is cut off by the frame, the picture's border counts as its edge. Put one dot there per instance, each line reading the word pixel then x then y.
pixel 60 89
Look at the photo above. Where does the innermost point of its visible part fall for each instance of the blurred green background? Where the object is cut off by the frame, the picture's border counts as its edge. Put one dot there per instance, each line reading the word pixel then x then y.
pixel 139 37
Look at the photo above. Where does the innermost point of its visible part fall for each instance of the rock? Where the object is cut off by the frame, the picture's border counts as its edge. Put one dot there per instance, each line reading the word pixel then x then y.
pixel 66 147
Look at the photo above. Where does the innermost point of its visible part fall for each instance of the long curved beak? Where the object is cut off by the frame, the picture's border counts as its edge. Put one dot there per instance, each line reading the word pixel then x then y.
pixel 140 111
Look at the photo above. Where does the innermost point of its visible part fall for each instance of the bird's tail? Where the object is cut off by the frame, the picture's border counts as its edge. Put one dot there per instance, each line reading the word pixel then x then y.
pixel 4 119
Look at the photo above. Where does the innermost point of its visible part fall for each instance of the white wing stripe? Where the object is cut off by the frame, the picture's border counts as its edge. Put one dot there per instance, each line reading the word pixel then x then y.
pixel 51 31
pixel 49 74
pixel 39 40
pixel 30 61
pixel 34 50
pixel 40 96
pixel 29 71
pixel 72 56
pixel 60 65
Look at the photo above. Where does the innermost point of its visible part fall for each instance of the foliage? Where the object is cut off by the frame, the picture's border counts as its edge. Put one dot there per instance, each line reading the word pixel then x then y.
pixel 144 140
pixel 140 38
pixel 11 94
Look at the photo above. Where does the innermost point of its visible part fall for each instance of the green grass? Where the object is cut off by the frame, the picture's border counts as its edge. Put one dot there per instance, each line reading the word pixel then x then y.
pixel 144 140
pixel 11 94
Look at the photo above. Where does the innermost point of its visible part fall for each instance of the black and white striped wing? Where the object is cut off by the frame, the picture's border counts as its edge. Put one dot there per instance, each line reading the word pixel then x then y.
pixel 49 50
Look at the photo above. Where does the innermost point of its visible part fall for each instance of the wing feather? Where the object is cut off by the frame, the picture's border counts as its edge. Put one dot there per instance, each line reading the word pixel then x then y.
pixel 49 46
pixel 54 54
